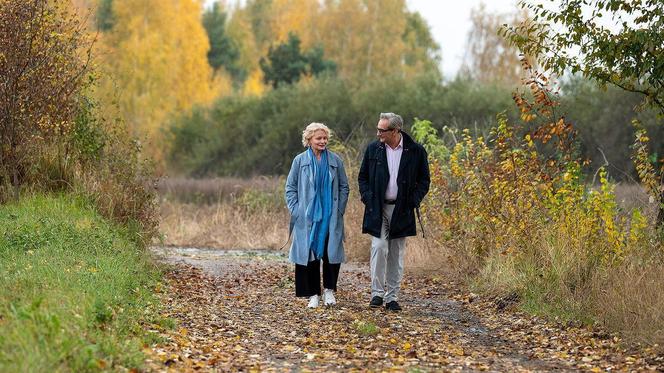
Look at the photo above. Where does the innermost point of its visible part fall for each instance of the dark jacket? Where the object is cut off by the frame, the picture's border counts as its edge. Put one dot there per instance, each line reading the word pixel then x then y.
pixel 413 182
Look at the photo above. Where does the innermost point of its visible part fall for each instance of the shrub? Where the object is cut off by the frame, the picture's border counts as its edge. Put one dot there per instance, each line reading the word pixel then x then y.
pixel 114 177
pixel 53 136
pixel 515 203
pixel 602 117
pixel 244 136
pixel 44 55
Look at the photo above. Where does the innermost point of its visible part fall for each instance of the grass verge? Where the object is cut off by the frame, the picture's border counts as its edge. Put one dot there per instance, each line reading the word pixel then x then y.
pixel 74 289
pixel 566 280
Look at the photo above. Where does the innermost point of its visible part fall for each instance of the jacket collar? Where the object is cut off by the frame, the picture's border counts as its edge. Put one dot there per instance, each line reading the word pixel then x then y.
pixel 331 159
pixel 407 141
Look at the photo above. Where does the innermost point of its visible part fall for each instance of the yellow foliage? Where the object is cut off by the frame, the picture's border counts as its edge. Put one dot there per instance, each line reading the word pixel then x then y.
pixel 297 16
pixel 354 36
pixel 240 32
pixel 156 55
pixel 503 198
pixel 254 85
pixel 352 33
pixel 222 83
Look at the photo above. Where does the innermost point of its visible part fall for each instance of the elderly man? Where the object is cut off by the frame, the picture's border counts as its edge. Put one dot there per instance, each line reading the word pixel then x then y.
pixel 393 180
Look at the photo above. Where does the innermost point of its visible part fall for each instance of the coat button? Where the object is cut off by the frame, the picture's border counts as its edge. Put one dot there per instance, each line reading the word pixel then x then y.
pixel 335 198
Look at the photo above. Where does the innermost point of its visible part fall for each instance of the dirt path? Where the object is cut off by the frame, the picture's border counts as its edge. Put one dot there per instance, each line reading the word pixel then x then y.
pixel 235 311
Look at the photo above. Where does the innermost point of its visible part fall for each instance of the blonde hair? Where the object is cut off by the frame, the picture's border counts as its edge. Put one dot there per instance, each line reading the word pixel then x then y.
pixel 308 132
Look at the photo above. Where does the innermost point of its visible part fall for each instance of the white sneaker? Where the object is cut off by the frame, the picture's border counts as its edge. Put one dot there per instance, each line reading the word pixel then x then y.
pixel 313 301
pixel 328 297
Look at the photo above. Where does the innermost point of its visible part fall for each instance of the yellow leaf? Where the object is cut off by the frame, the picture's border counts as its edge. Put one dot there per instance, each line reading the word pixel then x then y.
pixel 458 351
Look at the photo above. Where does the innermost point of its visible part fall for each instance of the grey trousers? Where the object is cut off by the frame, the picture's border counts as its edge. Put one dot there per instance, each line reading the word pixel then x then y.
pixel 386 261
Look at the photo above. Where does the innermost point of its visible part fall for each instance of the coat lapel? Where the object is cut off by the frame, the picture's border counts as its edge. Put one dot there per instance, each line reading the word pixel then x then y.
pixel 405 155
pixel 403 163
pixel 332 162
pixel 381 156
pixel 306 162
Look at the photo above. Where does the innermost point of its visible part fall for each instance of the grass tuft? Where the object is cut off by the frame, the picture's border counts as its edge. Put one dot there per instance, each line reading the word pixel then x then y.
pixel 365 327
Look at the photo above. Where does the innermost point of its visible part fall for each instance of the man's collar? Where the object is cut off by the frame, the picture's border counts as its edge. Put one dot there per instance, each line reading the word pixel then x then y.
pixel 400 142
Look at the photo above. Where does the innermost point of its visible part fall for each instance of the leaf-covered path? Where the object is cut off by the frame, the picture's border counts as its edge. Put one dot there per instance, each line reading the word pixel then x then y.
pixel 236 311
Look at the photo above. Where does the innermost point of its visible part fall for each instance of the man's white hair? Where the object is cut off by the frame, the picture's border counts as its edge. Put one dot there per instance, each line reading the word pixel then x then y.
pixel 393 120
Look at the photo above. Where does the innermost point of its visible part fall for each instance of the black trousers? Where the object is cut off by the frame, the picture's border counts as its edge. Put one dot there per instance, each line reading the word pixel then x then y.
pixel 307 278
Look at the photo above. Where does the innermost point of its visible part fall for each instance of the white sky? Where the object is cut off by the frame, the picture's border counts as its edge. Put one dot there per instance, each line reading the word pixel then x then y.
pixel 449 21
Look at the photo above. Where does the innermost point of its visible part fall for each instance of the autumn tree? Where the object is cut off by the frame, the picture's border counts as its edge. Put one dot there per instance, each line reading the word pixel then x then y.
pixel 259 16
pixel 285 63
pixel 241 34
pixel 373 39
pixel 44 60
pixel 365 39
pixel 294 16
pixel 104 15
pixel 356 36
pixel 489 57
pixel 261 24
pixel 156 54
pixel 616 42
pixel 224 52
pixel 422 51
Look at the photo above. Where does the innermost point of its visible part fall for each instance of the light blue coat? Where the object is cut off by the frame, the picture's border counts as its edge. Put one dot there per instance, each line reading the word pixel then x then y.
pixel 299 196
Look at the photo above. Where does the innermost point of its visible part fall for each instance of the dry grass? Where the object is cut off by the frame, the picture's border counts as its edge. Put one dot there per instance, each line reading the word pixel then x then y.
pixel 212 213
pixel 216 213
pixel 630 299
pixel 215 190
pixel 221 225
pixel 561 275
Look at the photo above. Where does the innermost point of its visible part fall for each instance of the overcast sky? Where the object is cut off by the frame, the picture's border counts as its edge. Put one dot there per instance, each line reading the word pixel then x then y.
pixel 449 21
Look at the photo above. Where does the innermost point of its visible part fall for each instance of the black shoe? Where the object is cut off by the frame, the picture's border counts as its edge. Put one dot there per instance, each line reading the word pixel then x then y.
pixel 376 302
pixel 393 306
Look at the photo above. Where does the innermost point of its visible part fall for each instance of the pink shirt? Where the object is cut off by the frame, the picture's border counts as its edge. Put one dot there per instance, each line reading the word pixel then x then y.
pixel 393 160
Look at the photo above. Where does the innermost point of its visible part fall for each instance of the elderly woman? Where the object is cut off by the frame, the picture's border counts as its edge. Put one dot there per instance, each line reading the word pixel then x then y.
pixel 316 195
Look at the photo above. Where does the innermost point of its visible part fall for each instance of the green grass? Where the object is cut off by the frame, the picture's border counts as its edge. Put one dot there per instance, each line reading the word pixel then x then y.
pixel 365 328
pixel 74 289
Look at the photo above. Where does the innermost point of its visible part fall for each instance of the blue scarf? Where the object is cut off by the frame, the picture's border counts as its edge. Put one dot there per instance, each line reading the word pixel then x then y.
pixel 321 210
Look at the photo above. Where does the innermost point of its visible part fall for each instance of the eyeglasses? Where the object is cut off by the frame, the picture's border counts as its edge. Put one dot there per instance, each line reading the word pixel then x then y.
pixel 380 130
